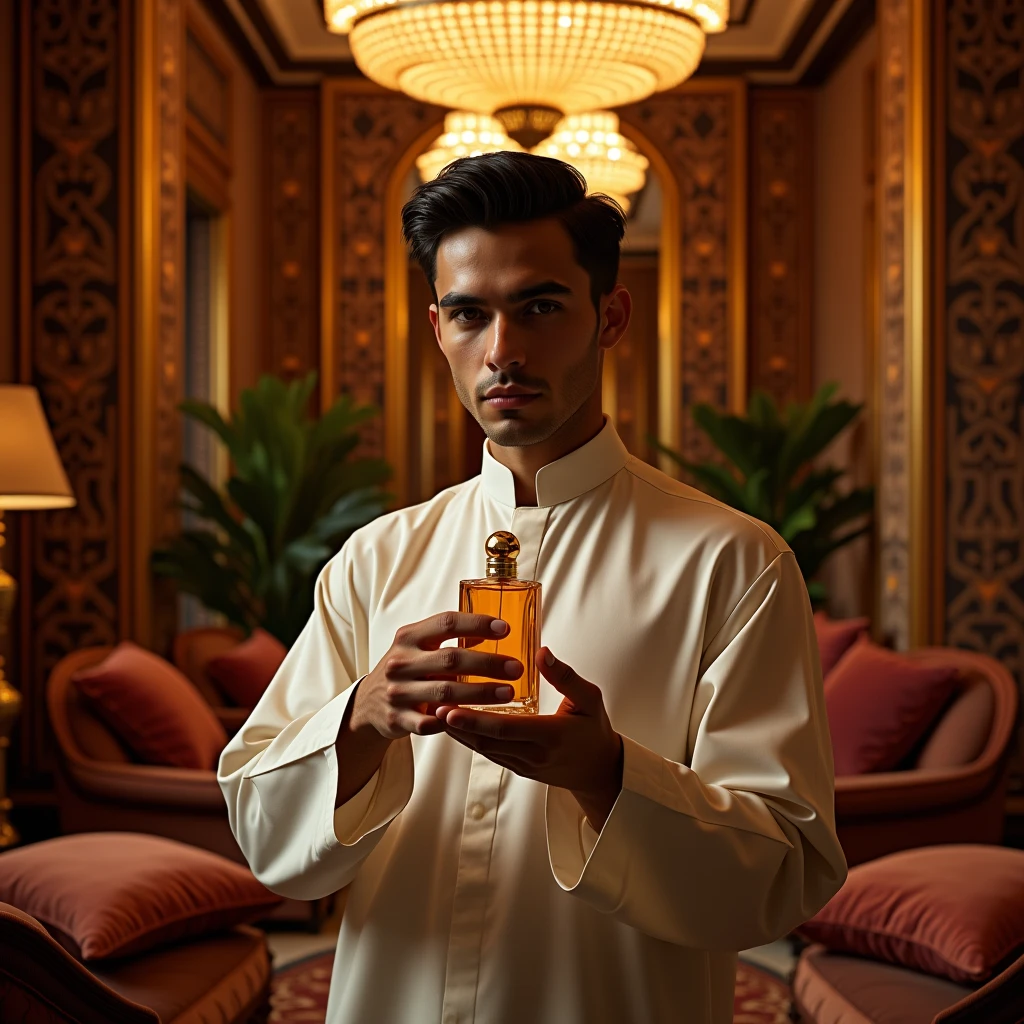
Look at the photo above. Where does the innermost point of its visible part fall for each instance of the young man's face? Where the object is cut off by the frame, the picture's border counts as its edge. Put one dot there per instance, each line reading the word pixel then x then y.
pixel 518 328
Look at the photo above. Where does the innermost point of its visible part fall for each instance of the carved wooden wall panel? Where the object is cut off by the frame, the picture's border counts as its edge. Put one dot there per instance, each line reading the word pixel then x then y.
pixel 368 132
pixel 291 131
pixel 73 307
pixel 781 242
pixel 983 184
pixel 700 129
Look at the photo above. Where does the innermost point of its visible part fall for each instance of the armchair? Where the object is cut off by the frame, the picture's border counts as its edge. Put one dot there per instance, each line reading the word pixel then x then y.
pixel 954 788
pixel 192 650
pixel 100 788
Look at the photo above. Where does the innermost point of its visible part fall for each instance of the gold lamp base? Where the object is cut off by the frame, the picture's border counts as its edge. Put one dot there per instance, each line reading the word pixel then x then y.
pixel 10 704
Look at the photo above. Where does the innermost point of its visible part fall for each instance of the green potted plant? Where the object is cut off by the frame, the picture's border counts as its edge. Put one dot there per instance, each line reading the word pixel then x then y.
pixel 294 495
pixel 769 472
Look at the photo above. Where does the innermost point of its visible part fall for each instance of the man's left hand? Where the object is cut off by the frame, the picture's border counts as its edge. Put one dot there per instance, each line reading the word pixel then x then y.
pixel 575 749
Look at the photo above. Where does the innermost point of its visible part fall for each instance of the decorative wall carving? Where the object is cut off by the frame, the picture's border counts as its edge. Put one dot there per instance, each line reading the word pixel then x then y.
pixel 984 332
pixel 700 131
pixel 781 242
pixel 72 295
pixel 291 129
pixel 894 414
pixel 369 131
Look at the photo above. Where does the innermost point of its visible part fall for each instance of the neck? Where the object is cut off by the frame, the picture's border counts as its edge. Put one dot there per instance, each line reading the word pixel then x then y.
pixel 583 426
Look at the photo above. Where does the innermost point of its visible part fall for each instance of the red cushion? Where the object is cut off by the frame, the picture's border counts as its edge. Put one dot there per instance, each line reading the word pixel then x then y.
pixel 111 894
pixel 245 671
pixel 956 912
pixel 152 708
pixel 835 637
pixel 879 705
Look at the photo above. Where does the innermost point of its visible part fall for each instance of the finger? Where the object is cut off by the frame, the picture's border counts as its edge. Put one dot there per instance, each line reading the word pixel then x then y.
pixel 404 720
pixel 525 753
pixel 499 726
pixel 441 692
pixel 451 661
pixel 429 634
pixel 585 697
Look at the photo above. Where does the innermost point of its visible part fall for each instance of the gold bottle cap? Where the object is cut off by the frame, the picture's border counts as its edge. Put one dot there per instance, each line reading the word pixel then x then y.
pixel 502 551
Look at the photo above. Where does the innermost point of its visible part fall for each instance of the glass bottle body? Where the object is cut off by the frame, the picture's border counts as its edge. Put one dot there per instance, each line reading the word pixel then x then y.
pixel 517 602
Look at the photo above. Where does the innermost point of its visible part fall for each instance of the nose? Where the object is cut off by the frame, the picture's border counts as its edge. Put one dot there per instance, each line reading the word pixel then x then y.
pixel 504 346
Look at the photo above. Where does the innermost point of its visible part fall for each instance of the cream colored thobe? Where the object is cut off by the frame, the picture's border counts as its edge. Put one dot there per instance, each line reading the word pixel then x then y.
pixel 480 897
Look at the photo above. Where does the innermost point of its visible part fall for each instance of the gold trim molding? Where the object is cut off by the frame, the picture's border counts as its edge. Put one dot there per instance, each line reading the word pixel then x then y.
pixel 903 387
pixel 159 264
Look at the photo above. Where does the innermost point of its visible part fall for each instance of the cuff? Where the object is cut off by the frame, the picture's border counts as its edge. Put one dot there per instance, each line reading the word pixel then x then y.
pixel 592 864
pixel 381 800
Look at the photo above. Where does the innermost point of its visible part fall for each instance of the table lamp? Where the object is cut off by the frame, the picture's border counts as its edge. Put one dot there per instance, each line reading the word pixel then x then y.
pixel 31 477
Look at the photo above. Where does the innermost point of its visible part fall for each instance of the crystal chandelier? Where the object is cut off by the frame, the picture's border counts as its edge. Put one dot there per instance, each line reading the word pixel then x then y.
pixel 590 142
pixel 527 62
pixel 465 134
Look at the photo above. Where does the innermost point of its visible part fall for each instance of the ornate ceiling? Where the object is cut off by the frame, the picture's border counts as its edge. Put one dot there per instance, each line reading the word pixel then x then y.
pixel 782 42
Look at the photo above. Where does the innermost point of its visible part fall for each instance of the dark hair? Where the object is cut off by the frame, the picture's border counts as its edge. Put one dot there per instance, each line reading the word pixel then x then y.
pixel 510 187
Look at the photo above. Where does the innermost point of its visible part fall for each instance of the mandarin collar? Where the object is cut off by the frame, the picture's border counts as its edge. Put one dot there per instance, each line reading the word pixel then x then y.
pixel 564 479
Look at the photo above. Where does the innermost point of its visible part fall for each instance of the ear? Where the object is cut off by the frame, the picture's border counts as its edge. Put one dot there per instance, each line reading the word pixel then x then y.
pixel 432 312
pixel 617 307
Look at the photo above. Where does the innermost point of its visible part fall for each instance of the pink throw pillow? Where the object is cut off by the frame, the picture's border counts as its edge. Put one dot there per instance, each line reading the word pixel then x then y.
pixel 835 637
pixel 952 911
pixel 244 672
pixel 879 704
pixel 152 708
pixel 113 894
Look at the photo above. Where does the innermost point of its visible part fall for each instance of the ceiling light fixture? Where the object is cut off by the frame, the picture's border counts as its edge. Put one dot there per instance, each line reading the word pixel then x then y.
pixel 527 62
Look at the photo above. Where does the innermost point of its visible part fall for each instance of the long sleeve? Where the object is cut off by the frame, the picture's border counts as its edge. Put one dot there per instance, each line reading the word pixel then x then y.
pixel 739 847
pixel 279 773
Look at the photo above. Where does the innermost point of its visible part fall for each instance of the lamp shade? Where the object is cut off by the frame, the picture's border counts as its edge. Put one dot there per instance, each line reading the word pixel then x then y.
pixel 31 474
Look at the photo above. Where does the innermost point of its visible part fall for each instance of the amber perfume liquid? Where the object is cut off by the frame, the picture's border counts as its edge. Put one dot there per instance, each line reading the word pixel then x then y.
pixel 517 602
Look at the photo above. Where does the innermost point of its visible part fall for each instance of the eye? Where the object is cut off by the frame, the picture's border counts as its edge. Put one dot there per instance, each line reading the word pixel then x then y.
pixel 547 302
pixel 464 309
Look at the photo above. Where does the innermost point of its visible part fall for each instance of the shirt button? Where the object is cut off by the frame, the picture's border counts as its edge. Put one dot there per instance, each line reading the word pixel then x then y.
pixel 476 812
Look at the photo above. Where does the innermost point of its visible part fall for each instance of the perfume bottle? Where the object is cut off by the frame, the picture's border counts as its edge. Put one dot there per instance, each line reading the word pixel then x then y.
pixel 502 594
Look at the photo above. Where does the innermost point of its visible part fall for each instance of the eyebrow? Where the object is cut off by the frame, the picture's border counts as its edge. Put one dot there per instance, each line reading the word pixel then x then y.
pixel 544 288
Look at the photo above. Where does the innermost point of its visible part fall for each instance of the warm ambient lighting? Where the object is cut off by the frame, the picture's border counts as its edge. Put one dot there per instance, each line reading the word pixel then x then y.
pixel 527 62
pixel 465 134
pixel 31 477
pixel 590 142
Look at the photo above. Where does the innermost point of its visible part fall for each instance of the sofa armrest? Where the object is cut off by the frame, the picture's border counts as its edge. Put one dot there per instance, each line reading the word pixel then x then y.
pixel 37 972
pixel 999 1001
pixel 910 792
pixel 190 789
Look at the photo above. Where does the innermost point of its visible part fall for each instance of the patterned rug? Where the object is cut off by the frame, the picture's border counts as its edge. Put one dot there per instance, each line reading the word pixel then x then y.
pixel 300 994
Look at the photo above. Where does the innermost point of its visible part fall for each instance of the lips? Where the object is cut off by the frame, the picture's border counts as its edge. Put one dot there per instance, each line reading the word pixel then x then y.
pixel 510 399
pixel 511 396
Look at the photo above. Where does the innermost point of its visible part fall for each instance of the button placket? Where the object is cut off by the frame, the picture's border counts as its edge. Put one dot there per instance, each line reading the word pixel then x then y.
pixel 469 903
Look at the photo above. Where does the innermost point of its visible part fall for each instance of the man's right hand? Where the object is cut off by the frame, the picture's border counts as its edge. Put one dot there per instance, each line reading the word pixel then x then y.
pixel 414 678
pixel 417 675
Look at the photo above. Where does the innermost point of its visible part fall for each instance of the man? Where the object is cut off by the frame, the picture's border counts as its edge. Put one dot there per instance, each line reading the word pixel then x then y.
pixel 673 801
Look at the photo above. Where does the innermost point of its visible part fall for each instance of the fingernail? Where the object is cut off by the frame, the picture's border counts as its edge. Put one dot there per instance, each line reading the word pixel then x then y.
pixel 513 669
pixel 504 693
pixel 549 659
pixel 499 627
